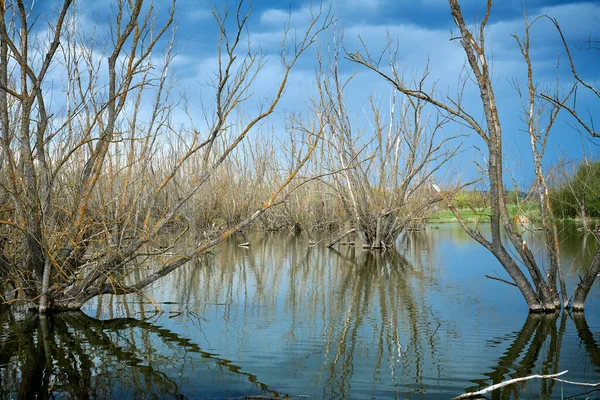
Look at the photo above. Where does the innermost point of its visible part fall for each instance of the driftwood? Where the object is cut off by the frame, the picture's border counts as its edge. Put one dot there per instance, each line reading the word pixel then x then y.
pixel 578 383
pixel 471 395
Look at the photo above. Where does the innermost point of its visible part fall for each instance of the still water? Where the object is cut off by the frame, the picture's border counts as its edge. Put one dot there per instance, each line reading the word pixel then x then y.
pixel 281 319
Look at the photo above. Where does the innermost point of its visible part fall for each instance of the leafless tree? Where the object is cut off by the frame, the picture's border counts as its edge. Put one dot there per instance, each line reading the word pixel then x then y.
pixel 569 104
pixel 90 188
pixel 540 289
pixel 384 169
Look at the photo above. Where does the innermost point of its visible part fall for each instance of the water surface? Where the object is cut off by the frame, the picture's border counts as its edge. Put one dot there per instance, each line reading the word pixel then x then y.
pixel 283 319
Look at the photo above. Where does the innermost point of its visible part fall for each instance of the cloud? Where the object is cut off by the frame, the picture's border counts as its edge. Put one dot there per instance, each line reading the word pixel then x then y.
pixel 279 17
pixel 191 12
pixel 415 47
pixel 360 5
pixel 197 14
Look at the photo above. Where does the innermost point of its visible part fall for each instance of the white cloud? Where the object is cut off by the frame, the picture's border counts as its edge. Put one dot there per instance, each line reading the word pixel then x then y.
pixel 360 4
pixel 297 18
pixel 274 16
pixel 197 14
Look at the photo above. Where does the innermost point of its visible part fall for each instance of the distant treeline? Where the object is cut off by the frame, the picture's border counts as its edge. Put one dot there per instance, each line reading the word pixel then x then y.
pixel 574 194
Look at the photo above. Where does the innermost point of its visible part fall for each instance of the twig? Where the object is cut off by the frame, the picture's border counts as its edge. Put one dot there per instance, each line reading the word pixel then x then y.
pixel 500 279
pixel 578 383
pixel 506 383
pixel 436 329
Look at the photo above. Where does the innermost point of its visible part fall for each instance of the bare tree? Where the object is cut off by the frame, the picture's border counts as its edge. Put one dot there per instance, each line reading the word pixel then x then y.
pixel 385 169
pixel 540 289
pixel 93 186
pixel 569 104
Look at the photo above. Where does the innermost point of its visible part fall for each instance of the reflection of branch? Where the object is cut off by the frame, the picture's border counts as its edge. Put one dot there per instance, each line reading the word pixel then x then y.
pixel 168 336
pixel 471 395
pixel 436 329
pixel 350 260
pixel 60 339
pixel 587 337
pixel 581 395
pixel 519 345
pixel 524 352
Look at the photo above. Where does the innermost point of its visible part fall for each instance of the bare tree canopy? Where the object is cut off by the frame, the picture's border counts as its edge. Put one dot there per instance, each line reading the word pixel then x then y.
pixel 540 286
pixel 90 187
pixel 103 190
pixel 385 170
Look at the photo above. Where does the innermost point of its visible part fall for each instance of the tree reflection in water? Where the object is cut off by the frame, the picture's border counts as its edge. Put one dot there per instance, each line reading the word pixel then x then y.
pixel 536 349
pixel 398 335
pixel 344 321
pixel 71 353
pixel 286 319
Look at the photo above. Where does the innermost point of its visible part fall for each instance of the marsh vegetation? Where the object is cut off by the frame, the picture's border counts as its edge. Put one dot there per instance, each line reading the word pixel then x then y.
pixel 113 188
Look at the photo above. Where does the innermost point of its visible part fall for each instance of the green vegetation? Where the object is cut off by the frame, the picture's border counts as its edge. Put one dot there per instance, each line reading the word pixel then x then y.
pixel 577 195
pixel 473 207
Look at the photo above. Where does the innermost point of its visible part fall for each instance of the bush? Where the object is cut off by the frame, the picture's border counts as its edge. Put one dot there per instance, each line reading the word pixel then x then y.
pixel 580 192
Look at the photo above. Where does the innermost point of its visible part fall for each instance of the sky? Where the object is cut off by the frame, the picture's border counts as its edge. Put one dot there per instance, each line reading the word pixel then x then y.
pixel 422 30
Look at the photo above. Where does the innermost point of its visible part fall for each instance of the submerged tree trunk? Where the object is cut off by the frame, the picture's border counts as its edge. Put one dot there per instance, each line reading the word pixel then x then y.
pixel 583 288
pixel 97 189
pixel 539 289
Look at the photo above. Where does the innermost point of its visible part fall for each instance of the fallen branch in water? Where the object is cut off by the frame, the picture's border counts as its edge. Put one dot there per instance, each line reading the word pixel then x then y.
pixel 578 383
pixel 506 383
pixel 340 237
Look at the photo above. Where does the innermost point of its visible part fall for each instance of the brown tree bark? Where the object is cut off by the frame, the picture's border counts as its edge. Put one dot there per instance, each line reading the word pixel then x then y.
pixel 540 292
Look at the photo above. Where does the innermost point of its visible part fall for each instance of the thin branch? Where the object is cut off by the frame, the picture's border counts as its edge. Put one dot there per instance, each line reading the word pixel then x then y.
pixel 471 395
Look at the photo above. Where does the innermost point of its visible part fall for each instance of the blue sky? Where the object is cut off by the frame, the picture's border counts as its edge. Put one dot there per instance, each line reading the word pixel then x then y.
pixel 422 29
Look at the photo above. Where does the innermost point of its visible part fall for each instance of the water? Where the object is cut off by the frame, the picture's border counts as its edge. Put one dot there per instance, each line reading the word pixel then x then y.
pixel 282 319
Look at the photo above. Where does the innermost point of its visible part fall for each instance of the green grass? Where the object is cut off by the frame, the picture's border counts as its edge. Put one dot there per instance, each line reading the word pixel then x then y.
pixel 530 211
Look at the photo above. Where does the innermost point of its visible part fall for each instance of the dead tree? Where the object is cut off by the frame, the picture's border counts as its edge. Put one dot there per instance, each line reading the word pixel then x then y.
pixel 569 105
pixel 539 287
pixel 384 168
pixel 91 187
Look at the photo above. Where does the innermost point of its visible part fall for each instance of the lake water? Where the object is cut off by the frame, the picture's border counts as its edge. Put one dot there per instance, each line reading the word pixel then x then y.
pixel 282 319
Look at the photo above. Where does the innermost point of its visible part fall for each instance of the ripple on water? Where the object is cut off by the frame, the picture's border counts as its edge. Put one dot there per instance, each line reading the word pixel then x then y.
pixel 278 318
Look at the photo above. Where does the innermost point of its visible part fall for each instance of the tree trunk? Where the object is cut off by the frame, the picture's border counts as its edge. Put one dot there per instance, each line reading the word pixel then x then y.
pixel 584 219
pixel 340 237
pixel 43 305
pixel 536 302
pixel 586 283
